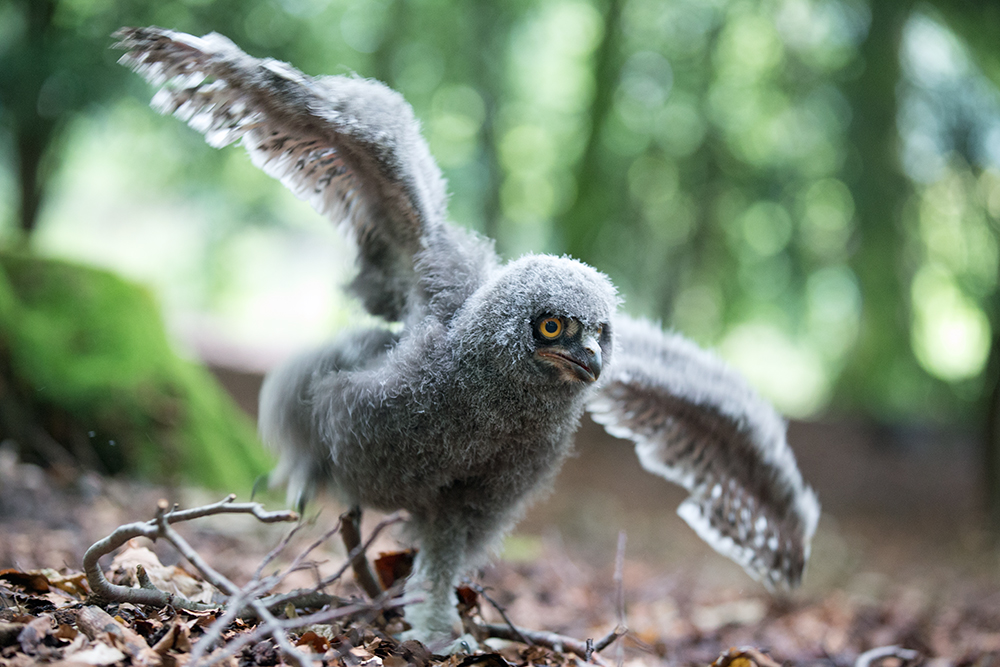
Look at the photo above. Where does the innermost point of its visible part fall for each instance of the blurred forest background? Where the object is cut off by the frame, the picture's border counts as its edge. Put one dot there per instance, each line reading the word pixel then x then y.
pixel 812 187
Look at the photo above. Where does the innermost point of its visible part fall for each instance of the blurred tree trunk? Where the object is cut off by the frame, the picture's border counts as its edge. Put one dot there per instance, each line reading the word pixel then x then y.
pixel 595 201
pixel 392 36
pixel 880 189
pixel 21 90
pixel 491 24
pixel 990 409
pixel 978 24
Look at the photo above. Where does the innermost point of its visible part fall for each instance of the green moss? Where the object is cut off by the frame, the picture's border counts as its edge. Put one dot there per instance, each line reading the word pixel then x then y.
pixel 93 346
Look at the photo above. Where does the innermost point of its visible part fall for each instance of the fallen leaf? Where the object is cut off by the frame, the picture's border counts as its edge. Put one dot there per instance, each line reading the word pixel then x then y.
pixel 97 623
pixel 32 581
pixel 484 659
pixel 34 633
pixel 394 566
pixel 171 579
pixel 178 638
pixel 9 633
pixel 66 632
pixel 744 657
pixel 316 642
pixel 99 654
pixel 75 584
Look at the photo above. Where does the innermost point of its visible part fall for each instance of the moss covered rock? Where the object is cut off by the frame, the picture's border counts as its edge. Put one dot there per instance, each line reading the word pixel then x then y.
pixel 87 375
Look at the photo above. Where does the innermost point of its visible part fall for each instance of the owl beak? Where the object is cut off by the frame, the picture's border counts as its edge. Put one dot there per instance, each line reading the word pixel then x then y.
pixel 582 359
pixel 592 352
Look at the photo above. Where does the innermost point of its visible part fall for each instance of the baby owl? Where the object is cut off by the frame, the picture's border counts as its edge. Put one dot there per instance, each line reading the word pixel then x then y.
pixel 468 409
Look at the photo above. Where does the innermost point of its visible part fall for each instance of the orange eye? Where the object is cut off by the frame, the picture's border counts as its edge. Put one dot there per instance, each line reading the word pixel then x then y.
pixel 550 328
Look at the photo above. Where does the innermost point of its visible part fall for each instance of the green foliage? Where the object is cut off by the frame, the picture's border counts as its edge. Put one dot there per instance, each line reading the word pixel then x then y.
pixel 93 345
pixel 735 166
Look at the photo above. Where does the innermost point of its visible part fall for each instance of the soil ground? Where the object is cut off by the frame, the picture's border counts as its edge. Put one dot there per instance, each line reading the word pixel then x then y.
pixel 901 555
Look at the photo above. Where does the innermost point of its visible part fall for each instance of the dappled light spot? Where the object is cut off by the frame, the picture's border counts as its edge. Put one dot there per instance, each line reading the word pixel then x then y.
pixel 786 371
pixel 766 228
pixel 951 335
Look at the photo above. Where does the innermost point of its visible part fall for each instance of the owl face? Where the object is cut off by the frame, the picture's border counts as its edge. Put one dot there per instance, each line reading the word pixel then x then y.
pixel 567 349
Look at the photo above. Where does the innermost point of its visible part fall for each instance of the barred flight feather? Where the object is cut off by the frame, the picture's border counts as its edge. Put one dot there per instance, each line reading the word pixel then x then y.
pixel 698 424
pixel 348 146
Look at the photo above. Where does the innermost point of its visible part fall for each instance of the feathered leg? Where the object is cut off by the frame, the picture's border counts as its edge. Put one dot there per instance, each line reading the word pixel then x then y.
pixel 439 563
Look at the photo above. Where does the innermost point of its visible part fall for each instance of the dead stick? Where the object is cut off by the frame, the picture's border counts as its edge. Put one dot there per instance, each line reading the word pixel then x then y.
pixel 221 582
pixel 104 589
pixel 619 579
pixel 503 613
pixel 551 640
pixel 350 532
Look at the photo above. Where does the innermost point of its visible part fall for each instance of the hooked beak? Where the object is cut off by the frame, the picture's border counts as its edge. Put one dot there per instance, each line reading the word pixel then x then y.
pixel 582 360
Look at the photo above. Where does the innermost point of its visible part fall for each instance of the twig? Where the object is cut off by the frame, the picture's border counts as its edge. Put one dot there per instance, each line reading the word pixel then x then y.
pixel 94 621
pixel 882 652
pixel 503 614
pixel 551 640
pixel 221 582
pixel 350 532
pixel 395 517
pixel 154 529
pixel 243 601
pixel 278 548
pixel 319 617
pixel 235 605
pixel 610 638
pixel 619 579
pixel 312 597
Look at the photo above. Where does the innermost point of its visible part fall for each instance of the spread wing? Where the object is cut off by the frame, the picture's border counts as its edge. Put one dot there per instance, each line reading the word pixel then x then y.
pixel 351 147
pixel 697 423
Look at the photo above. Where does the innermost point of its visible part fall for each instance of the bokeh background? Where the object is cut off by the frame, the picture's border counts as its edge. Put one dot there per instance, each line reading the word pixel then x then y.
pixel 810 187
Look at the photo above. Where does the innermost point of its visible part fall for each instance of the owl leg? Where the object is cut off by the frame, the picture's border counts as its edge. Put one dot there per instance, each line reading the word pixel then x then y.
pixel 434 620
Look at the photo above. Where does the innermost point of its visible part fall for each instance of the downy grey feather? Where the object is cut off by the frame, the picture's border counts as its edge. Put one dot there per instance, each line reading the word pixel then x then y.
pixel 466 414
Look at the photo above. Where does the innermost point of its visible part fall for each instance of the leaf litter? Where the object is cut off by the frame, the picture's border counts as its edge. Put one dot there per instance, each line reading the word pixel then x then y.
pixel 49 614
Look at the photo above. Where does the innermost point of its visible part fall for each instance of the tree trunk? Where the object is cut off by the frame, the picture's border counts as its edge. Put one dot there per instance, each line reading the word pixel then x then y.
pixel 880 189
pixel 580 225
pixel 32 180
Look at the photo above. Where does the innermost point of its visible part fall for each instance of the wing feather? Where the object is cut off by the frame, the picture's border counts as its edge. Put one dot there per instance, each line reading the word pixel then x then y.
pixel 697 423
pixel 350 147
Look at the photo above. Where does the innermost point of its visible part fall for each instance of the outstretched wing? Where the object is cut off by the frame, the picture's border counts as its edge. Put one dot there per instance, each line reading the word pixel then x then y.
pixel 349 146
pixel 697 423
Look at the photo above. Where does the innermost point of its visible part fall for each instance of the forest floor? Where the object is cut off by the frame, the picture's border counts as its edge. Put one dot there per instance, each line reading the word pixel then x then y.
pixel 900 559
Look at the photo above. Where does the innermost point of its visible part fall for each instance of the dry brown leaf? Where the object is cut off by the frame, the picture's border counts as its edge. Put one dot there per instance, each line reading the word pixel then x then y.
pixel 744 657
pixel 66 632
pixel 98 624
pixel 318 643
pixel 33 633
pixel 32 581
pixel 394 661
pixel 100 655
pixel 177 638
pixel 171 579
pixel 393 566
pixel 74 583
pixel 9 633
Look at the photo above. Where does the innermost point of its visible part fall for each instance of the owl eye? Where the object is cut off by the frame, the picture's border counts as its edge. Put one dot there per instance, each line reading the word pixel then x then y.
pixel 550 328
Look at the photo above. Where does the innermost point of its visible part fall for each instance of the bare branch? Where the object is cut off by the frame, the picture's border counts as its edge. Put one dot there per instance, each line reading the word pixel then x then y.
pixel 503 614
pixel 350 532
pixel 875 655
pixel 393 518
pixel 619 579
pixel 153 530
pixel 551 640
pixel 325 616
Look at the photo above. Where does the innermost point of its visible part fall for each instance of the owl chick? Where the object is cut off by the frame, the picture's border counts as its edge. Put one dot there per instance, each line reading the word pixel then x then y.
pixel 468 410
